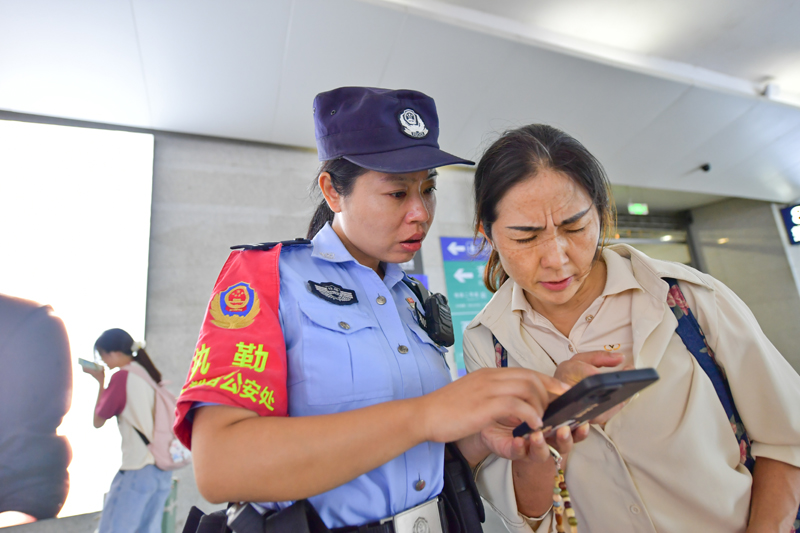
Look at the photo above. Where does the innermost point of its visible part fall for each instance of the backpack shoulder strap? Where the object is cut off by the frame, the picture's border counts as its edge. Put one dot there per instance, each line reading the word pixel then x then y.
pixel 500 353
pixel 694 339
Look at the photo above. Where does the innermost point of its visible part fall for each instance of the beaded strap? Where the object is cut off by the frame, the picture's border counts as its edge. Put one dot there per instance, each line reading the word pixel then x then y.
pixel 562 505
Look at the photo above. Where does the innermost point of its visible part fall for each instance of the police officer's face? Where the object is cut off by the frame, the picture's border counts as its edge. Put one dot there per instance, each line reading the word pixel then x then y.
pixel 386 216
pixel 546 234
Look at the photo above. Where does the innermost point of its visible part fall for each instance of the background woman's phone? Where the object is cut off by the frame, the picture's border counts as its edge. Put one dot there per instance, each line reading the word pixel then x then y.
pixel 589 398
pixel 88 364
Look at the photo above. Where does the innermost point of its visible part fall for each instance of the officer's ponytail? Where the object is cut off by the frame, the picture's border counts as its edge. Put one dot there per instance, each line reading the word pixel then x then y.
pixel 343 178
pixel 118 340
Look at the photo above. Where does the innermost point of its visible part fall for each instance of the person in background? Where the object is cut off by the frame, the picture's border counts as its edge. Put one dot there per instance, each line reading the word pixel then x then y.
pixel 671 460
pixel 314 376
pixel 135 501
pixel 34 397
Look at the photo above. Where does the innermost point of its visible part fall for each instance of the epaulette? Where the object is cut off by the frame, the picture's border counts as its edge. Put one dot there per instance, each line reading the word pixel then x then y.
pixel 264 246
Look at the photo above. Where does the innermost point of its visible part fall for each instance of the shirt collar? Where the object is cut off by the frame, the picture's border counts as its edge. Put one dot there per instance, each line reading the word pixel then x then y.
pixel 328 246
pixel 518 300
pixel 619 274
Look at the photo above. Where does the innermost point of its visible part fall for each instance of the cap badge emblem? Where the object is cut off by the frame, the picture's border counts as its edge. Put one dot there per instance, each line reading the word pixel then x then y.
pixel 412 124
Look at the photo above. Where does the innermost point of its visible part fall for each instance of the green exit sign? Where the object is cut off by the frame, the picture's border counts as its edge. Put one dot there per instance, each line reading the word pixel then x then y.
pixel 638 209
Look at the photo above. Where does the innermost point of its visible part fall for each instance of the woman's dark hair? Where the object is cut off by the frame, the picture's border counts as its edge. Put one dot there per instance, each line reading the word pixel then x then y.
pixel 118 340
pixel 343 177
pixel 519 155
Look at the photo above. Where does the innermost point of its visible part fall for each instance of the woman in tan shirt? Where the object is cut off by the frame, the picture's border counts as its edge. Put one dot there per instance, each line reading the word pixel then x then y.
pixel 565 305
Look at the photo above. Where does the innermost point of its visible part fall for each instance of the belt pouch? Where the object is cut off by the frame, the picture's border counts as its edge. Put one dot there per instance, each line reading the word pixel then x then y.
pixel 216 522
pixel 465 511
pixel 300 517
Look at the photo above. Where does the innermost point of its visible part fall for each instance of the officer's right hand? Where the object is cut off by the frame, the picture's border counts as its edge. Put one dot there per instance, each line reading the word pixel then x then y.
pixel 500 397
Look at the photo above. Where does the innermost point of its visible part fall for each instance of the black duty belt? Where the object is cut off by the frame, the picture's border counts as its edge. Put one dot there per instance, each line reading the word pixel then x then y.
pixel 457 510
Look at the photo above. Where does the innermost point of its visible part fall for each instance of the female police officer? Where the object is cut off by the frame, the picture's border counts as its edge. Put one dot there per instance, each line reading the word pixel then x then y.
pixel 313 376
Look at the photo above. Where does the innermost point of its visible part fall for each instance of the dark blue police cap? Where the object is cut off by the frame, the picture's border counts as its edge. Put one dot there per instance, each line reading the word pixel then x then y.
pixel 380 129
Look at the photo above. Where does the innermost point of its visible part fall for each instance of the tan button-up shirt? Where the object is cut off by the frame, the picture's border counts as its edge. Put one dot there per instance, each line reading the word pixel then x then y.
pixel 605 325
pixel 668 461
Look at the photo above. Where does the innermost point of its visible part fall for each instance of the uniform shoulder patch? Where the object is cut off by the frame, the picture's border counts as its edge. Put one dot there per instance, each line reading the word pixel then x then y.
pixel 333 293
pixel 264 246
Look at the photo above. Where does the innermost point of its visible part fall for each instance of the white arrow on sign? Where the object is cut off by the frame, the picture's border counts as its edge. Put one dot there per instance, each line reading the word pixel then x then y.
pixel 454 248
pixel 462 276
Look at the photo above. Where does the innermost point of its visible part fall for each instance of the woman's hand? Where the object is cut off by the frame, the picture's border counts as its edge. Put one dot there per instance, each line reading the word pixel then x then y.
pixel 585 364
pixel 99 375
pixel 506 396
pixel 564 439
pixel 498 439
pixel 487 405
pixel 533 474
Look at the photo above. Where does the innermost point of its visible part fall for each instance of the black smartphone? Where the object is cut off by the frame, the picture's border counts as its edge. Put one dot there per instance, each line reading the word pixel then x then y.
pixel 589 398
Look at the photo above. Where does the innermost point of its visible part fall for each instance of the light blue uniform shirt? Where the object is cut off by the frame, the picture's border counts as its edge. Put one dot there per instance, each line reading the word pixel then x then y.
pixel 344 357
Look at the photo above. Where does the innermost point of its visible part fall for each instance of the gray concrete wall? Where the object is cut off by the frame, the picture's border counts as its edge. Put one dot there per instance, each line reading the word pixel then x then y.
pixel 753 262
pixel 208 195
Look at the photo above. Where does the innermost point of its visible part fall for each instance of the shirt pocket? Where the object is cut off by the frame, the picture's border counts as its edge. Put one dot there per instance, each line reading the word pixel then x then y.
pixel 343 356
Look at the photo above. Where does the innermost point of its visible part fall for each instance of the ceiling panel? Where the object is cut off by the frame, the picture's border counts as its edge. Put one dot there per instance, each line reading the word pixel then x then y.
pixel 729 151
pixel 332 43
pixel 662 154
pixel 747 39
pixel 774 168
pixel 451 64
pixel 213 68
pixel 74 59
pixel 531 86
pixel 602 106
pixel 760 126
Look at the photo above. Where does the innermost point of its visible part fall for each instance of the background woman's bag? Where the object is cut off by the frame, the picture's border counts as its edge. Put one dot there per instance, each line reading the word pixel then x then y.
pixel 167 450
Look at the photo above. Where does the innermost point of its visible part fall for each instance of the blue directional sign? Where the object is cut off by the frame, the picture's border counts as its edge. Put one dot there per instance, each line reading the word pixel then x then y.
pixel 463 271
pixel 463 249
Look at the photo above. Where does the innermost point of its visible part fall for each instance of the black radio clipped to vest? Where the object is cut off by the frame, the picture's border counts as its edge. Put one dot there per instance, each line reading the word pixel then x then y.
pixel 435 317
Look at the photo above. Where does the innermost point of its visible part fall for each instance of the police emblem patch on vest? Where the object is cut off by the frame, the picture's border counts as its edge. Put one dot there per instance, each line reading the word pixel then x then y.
pixel 333 293
pixel 235 307
pixel 412 124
